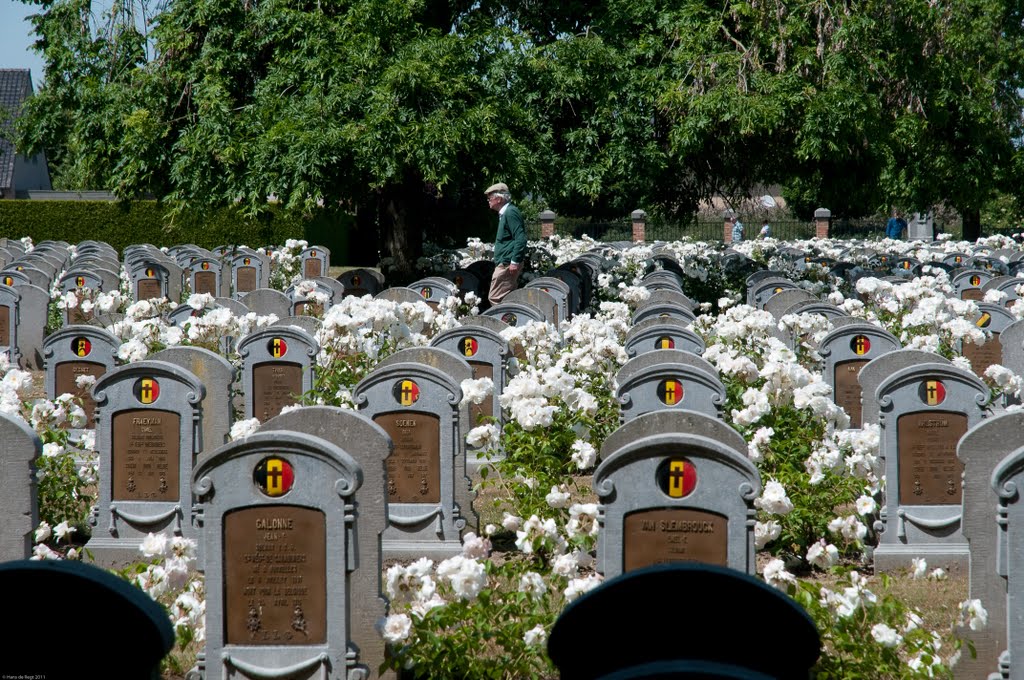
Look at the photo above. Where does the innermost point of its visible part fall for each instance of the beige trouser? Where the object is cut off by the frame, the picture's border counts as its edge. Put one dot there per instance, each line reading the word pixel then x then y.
pixel 503 282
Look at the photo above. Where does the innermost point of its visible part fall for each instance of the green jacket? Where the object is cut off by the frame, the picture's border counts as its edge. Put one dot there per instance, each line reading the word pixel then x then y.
pixel 510 242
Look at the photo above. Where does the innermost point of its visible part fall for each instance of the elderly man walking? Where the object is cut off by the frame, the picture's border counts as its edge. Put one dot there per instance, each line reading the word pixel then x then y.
pixel 509 243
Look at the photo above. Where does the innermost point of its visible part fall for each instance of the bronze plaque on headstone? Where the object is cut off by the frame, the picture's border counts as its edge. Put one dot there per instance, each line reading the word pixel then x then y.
pixel 984 355
pixel 476 411
pixel 149 288
pixel 848 392
pixel 312 268
pixel 206 282
pixel 663 535
pixel 145 455
pixel 66 374
pixel 275 384
pixel 275 576
pixel 930 473
pixel 308 309
pixel 245 279
pixel 972 294
pixel 414 468
pixel 5 326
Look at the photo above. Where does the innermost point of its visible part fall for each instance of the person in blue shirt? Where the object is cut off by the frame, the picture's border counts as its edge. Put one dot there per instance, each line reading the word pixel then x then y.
pixel 737 229
pixel 896 225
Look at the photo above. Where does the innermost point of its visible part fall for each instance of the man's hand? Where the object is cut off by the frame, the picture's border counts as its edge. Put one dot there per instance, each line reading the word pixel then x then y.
pixel 514 268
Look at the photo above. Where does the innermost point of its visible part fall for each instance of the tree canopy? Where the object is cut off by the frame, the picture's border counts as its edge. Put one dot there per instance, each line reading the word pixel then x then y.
pixel 400 111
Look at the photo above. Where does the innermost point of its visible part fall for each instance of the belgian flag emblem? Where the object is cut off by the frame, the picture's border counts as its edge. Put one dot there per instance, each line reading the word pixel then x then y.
pixel 312 253
pixel 246 261
pixel 80 281
pixel 147 390
pixel 905 264
pixel 277 347
pixel 509 318
pixel 469 346
pixel 81 347
pixel 427 292
pixel 860 344
pixel 777 289
pixel 274 476
pixel 664 342
pixel 406 392
pixel 356 280
pixel 984 320
pixel 8 280
pixel 932 392
pixel 204 265
pixel 975 280
pixel 670 392
pixel 677 477
pixel 958 259
pixel 458 281
pixel 150 273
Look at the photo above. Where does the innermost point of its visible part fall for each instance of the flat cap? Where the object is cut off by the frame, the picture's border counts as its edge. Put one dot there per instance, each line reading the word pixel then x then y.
pixel 500 186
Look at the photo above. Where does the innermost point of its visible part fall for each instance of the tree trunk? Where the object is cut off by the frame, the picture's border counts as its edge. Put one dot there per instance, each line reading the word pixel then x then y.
pixel 401 225
pixel 972 224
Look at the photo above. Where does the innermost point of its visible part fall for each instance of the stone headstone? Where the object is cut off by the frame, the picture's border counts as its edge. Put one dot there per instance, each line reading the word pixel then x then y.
pixel 33 312
pixel 361 281
pixel 267 301
pixel 316 261
pixel 433 289
pixel 516 313
pixel 219 377
pixel 315 302
pixel 78 350
pixel 968 283
pixel 281 512
pixel 310 324
pixel 878 369
pixel 557 288
pixel 845 351
pixel 669 379
pixel 399 294
pixel 675 486
pixel 369 446
pixel 249 272
pixel 277 369
pixel 206 275
pixel 983 447
pixel 924 410
pixel 147 432
pixel 150 280
pixel 993 320
pixel 9 323
pixel 760 294
pixel 1011 341
pixel 662 333
pixel 657 308
pixel 20 446
pixel 538 298
pixel 414 396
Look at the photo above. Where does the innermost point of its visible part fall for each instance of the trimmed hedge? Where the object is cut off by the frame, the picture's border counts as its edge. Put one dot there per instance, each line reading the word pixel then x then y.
pixel 123 223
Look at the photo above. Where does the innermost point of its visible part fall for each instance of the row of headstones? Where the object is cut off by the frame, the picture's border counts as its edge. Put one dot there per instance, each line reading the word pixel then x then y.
pixel 951 467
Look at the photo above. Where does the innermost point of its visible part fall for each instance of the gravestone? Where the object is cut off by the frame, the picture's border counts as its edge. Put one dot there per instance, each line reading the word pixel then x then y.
pixel 538 298
pixel 147 432
pixel 572 281
pixel 277 369
pixel 310 324
pixel 662 280
pixel 150 280
pixel 206 275
pixel 316 261
pixel 661 310
pixel 399 294
pixel 778 304
pixel 249 272
pixel 993 320
pixel 20 446
pixel 486 352
pixel 219 376
pixel 669 379
pixel 414 396
pixel 12 277
pixel 33 311
pixel 281 512
pixel 1012 342
pixel 760 294
pixel 662 333
pixel 924 410
pixel 983 447
pixel 361 281
pixel 675 486
pixel 310 302
pixel 968 283
pixel 433 289
pixel 369 446
pixel 9 324
pixel 516 313
pixel 267 301
pixel 845 351
pixel 78 350
pixel 557 288
pixel 878 369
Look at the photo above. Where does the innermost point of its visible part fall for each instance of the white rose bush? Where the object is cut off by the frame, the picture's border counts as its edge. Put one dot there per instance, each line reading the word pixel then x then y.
pixel 488 612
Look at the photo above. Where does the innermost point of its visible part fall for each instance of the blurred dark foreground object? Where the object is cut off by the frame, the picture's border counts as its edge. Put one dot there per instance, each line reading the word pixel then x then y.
pixel 684 620
pixel 55 604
